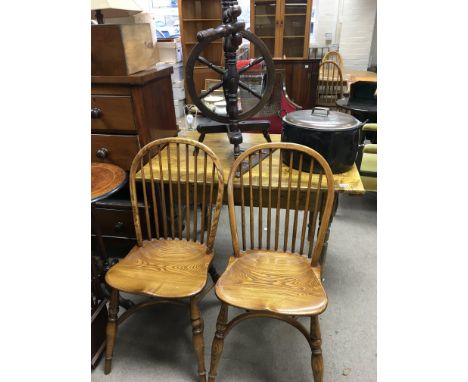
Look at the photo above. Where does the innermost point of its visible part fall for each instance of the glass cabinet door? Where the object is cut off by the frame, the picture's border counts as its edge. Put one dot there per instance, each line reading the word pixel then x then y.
pixel 294 28
pixel 265 22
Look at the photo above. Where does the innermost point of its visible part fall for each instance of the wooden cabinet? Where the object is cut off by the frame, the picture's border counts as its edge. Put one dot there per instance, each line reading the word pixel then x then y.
pixel 194 16
pixel 127 112
pixel 283 25
pixel 301 77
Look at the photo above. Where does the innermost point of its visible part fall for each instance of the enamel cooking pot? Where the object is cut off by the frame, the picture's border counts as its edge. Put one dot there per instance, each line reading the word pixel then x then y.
pixel 333 134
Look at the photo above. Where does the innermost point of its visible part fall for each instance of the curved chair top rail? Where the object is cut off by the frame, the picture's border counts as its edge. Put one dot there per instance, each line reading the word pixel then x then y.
pixel 172 173
pixel 335 56
pixel 297 195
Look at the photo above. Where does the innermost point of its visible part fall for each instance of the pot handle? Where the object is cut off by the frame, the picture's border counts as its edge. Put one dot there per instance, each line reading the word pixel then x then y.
pixel 361 133
pixel 321 109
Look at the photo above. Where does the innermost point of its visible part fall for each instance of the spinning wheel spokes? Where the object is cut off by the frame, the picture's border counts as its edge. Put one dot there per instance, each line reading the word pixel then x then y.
pixel 212 66
pixel 251 64
pixel 248 108
pixel 211 90
pixel 251 91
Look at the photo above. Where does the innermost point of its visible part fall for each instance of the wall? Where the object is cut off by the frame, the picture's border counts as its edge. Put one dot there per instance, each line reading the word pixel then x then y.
pixel 351 23
pixel 325 21
pixel 357 25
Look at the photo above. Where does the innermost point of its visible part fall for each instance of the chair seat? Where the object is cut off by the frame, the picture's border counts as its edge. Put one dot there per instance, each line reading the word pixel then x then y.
pixel 162 268
pixel 278 282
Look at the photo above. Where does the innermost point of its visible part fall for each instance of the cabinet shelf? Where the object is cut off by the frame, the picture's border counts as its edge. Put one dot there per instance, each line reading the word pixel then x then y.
pixel 285 25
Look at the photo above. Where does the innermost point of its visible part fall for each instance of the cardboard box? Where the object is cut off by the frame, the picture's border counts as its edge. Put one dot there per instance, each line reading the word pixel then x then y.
pixel 147 18
pixel 170 51
pixel 120 50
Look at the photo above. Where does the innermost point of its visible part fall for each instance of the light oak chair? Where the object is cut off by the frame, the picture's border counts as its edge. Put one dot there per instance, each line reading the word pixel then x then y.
pixel 275 274
pixel 330 84
pixel 334 56
pixel 170 264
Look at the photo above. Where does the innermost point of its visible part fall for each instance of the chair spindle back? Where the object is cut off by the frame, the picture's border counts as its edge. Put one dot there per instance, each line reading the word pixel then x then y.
pixel 287 199
pixel 176 174
pixel 330 84
pixel 334 56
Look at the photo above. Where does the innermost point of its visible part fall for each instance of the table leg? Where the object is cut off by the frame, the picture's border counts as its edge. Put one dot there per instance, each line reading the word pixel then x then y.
pixel 327 234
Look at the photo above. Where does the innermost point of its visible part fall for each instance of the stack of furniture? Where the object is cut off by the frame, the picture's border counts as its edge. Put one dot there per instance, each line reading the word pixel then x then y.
pixel 197 15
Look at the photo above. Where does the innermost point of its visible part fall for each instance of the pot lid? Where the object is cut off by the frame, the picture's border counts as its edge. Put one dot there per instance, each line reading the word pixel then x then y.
pixel 322 118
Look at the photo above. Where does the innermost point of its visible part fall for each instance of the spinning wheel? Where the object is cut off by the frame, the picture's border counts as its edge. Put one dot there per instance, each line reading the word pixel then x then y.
pixel 232 122
pixel 229 80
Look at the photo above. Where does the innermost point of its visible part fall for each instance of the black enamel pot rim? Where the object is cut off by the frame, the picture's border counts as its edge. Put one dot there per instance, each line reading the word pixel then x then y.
pixel 325 120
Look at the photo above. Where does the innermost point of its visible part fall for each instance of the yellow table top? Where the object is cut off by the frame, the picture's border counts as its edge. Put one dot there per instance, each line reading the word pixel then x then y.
pixel 348 182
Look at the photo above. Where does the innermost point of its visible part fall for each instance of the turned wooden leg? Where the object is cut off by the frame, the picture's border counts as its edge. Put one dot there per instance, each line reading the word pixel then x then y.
pixel 111 329
pixel 317 360
pixel 218 342
pixel 197 334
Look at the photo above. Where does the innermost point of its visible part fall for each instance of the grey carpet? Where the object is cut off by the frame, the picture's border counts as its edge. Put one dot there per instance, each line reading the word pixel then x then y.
pixel 155 344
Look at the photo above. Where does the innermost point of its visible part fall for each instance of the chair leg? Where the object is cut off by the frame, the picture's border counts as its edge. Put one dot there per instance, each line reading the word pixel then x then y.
pixel 218 342
pixel 111 329
pixel 317 360
pixel 197 335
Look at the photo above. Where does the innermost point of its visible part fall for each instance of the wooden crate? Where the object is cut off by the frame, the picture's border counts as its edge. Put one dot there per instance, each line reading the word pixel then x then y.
pixel 121 49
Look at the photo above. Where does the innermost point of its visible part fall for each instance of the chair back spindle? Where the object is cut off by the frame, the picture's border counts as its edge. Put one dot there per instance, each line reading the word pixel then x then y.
pixel 173 174
pixel 297 203
pixel 330 84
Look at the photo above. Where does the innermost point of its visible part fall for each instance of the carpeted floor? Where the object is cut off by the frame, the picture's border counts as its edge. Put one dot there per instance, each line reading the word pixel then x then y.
pixel 155 344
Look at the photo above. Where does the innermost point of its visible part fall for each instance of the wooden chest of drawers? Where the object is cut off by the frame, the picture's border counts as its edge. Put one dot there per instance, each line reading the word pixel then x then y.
pixel 127 112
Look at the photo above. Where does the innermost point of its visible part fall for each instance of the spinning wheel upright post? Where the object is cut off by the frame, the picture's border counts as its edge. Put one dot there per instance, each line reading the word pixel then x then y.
pixel 232 32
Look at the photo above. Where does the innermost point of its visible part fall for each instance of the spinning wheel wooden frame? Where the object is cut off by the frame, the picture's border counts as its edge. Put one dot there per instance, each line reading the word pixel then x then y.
pixel 232 32
pixel 226 81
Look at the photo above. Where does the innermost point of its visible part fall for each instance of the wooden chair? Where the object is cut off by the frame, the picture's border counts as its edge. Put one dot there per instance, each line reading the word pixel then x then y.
pixel 330 84
pixel 171 263
pixel 269 275
pixel 334 56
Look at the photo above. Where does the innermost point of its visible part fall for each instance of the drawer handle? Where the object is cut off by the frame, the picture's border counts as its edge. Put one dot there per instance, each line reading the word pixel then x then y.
pixel 102 153
pixel 96 113
pixel 118 227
